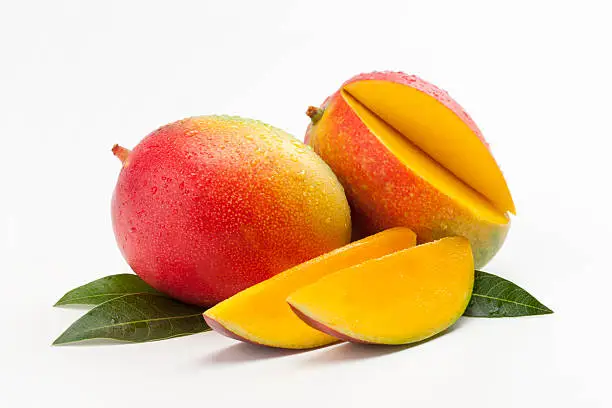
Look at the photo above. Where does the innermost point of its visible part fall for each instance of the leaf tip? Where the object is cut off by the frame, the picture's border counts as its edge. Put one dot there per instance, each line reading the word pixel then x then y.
pixel 62 301
pixel 62 339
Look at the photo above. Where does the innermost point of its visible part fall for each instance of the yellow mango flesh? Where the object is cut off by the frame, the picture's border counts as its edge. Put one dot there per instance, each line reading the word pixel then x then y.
pixel 400 298
pixel 423 165
pixel 260 313
pixel 438 132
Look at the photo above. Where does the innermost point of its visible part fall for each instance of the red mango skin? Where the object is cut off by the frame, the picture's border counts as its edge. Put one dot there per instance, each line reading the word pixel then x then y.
pixel 208 206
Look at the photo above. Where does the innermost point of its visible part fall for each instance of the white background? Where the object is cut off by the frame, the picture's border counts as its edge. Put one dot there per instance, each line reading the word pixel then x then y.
pixel 78 76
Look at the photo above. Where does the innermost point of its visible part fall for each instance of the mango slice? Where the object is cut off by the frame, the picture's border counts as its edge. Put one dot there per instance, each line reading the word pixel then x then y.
pixel 401 298
pixel 260 313
pixel 439 132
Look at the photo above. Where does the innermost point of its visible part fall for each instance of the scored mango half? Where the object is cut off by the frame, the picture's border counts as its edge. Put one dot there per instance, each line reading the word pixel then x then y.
pixel 408 155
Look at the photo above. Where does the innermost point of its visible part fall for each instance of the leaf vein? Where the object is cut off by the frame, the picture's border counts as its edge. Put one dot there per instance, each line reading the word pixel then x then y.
pixel 108 294
pixel 511 301
pixel 141 321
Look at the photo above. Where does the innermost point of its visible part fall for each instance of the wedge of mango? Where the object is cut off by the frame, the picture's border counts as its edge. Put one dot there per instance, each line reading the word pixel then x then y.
pixel 401 298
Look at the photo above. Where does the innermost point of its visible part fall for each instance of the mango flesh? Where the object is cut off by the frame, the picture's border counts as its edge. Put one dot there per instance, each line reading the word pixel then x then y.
pixel 401 298
pixel 260 313
pixel 409 155
pixel 208 206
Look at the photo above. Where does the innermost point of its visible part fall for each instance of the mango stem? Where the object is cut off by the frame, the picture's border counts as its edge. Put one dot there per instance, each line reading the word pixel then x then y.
pixel 314 114
pixel 121 153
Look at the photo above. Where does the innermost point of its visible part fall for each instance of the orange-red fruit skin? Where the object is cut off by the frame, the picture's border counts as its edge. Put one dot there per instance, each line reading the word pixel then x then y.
pixel 208 206
pixel 219 328
pixel 323 328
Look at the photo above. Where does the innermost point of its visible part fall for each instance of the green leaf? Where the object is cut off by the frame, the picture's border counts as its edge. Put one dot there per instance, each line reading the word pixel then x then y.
pixel 497 297
pixel 103 289
pixel 136 318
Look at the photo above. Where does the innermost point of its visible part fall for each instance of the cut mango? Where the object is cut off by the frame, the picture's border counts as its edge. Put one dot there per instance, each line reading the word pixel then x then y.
pixel 428 169
pixel 260 313
pixel 401 298
pixel 408 155
pixel 438 131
